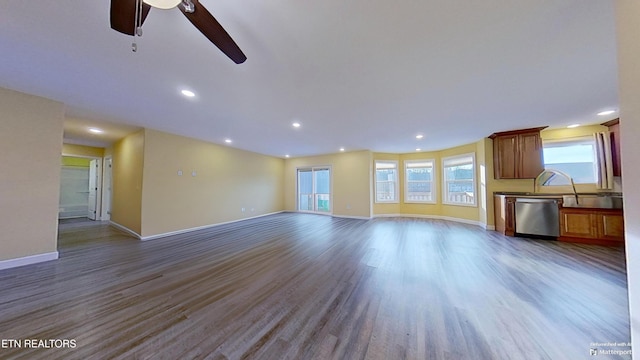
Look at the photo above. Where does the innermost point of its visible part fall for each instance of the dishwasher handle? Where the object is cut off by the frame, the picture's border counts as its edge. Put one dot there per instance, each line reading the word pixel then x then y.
pixel 533 200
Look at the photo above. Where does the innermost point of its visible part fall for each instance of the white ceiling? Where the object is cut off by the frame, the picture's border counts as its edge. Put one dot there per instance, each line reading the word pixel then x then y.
pixel 359 74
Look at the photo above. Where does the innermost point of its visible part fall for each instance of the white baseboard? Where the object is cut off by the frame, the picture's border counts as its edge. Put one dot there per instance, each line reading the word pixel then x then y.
pixel 125 229
pixel 439 217
pixel 351 217
pixel 183 231
pixel 28 260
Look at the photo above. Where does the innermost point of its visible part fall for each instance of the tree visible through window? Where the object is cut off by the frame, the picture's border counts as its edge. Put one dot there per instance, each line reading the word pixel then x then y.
pixel 419 181
pixel 386 181
pixel 459 184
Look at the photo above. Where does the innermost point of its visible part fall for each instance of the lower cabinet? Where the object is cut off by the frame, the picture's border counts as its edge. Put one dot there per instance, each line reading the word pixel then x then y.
pixel 592 226
pixel 505 214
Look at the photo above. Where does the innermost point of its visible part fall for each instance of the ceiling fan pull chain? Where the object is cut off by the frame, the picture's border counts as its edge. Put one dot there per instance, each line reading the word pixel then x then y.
pixel 137 31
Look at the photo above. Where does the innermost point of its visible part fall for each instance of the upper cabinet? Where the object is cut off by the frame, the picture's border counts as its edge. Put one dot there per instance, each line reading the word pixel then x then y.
pixel 614 131
pixel 517 154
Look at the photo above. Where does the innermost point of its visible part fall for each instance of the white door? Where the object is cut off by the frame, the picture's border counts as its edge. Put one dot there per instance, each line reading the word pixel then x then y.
pixel 93 188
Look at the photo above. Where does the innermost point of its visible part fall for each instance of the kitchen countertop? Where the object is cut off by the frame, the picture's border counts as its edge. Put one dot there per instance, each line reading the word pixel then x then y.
pixel 554 195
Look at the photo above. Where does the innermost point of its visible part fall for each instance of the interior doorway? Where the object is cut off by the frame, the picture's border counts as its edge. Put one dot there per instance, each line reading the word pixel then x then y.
pixel 314 189
pixel 81 190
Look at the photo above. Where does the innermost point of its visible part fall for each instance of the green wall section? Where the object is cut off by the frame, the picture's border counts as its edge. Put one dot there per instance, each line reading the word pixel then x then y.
pixel 75 161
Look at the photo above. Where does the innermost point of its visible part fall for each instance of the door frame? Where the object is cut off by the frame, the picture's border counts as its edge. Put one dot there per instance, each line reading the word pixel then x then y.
pixel 105 208
pixel 100 181
pixel 297 193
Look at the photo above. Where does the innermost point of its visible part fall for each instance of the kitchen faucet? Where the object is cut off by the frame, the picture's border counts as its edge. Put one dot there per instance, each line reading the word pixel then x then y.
pixel 550 174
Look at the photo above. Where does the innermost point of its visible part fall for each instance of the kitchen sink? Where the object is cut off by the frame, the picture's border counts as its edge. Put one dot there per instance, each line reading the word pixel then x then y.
pixel 592 201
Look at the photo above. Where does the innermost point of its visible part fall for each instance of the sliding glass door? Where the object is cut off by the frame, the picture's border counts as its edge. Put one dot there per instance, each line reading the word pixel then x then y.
pixel 314 189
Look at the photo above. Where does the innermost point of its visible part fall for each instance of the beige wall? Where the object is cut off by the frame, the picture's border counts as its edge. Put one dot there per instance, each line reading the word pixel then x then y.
pixel 81 150
pixel 351 181
pixel 30 129
pixel 628 28
pixel 126 203
pixel 226 181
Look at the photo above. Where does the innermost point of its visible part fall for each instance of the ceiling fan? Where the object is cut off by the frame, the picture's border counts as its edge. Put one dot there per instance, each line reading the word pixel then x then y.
pixel 127 16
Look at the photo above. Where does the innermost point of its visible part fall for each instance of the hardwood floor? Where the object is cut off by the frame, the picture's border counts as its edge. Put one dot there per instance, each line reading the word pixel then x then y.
pixel 300 286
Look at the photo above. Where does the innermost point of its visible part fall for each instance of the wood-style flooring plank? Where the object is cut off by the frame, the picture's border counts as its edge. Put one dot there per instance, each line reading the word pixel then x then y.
pixel 302 286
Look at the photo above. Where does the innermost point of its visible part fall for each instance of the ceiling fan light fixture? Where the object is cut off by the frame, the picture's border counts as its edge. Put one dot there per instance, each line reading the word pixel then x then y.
pixel 163 4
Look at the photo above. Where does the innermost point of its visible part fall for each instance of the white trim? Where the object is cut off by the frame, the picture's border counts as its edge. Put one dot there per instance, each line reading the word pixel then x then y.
pixel 473 178
pixel 125 229
pixel 434 188
pixel 178 232
pixel 438 217
pixel 352 217
pixel 297 195
pixel 396 181
pixel 28 260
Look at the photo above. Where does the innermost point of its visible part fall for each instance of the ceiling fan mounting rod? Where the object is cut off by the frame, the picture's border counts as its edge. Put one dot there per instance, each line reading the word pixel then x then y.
pixel 188 6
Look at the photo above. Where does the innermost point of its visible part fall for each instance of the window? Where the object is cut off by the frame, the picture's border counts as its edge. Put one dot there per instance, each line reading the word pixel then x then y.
pixel 574 157
pixel 387 181
pixel 459 184
pixel 419 186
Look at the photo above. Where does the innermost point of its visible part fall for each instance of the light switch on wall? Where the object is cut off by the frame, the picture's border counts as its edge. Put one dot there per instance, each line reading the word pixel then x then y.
pixel 193 173
pixel 179 172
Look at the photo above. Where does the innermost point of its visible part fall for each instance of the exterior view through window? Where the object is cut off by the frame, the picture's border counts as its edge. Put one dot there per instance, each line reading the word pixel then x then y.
pixel 459 184
pixel 314 189
pixel 419 181
pixel 575 158
pixel 387 181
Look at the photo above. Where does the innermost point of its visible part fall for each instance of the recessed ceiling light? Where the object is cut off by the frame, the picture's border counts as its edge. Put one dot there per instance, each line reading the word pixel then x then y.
pixel 296 124
pixel 573 126
pixel 188 93
pixel 228 141
pixel 419 136
pixel 607 112
pixel 95 130
pixel 341 149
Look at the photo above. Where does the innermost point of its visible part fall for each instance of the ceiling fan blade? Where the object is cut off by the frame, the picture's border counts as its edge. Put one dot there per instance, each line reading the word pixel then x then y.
pixel 211 28
pixel 123 15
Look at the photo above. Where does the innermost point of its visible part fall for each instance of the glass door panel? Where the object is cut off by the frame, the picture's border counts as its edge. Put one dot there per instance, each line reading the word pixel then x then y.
pixel 322 184
pixel 305 190
pixel 314 190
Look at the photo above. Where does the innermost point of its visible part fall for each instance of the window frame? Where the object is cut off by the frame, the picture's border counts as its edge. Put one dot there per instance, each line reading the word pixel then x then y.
pixel 434 189
pixel 396 181
pixel 587 139
pixel 445 187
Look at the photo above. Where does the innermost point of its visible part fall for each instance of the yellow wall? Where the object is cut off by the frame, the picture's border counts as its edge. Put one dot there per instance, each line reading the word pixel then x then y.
pixel 226 181
pixel 75 161
pixel 81 150
pixel 351 181
pixel 438 209
pixel 126 203
pixel 30 129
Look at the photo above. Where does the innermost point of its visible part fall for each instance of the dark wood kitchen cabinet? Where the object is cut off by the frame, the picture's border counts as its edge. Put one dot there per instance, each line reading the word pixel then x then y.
pixel 517 154
pixel 592 226
pixel 505 214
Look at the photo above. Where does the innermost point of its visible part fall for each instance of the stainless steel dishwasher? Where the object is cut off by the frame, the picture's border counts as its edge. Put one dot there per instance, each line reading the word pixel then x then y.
pixel 537 217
